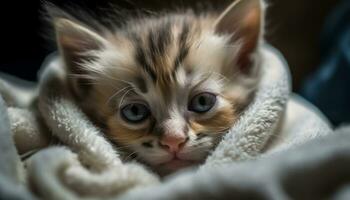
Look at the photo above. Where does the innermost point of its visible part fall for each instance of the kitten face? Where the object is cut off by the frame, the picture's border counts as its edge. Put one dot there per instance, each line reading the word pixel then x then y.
pixel 193 102
pixel 163 89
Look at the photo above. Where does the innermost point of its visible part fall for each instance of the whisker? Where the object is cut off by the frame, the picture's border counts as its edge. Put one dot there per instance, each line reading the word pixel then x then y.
pixel 127 138
pixel 124 81
pixel 123 147
pixel 122 99
pixel 118 92
pixel 129 156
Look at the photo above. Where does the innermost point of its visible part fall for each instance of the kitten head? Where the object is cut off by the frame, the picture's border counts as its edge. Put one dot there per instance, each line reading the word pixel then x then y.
pixel 166 88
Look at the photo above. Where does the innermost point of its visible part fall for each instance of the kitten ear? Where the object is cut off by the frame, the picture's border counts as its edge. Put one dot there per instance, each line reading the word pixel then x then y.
pixel 75 41
pixel 77 45
pixel 243 20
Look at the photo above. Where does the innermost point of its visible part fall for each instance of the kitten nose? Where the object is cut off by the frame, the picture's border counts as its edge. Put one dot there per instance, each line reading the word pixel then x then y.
pixel 173 143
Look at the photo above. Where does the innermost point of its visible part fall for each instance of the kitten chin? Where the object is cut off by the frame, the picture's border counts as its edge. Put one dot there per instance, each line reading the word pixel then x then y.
pixel 165 85
pixel 176 166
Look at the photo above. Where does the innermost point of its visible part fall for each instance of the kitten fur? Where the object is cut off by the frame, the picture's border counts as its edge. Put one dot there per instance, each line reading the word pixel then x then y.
pixel 163 62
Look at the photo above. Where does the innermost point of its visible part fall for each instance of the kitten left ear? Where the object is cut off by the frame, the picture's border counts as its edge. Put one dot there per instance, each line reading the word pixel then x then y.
pixel 74 40
pixel 76 43
pixel 243 21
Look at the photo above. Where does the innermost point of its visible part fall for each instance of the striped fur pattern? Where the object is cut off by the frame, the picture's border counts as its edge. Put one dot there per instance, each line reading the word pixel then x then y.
pixel 163 62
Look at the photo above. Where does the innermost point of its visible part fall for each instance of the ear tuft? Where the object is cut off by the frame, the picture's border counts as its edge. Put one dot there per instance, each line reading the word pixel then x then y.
pixel 243 21
pixel 74 37
pixel 76 42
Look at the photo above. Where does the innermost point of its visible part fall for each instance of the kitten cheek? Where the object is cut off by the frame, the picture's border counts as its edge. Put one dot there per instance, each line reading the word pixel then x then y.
pixel 195 154
pixel 196 150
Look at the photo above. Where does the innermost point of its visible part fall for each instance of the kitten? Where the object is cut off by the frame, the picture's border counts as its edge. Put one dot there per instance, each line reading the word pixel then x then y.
pixel 165 89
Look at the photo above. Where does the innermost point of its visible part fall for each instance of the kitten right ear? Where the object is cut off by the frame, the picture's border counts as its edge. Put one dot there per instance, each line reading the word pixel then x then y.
pixel 243 20
pixel 75 41
pixel 77 45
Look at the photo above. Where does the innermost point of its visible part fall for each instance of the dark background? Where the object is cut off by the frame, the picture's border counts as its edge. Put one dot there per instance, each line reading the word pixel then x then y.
pixel 293 26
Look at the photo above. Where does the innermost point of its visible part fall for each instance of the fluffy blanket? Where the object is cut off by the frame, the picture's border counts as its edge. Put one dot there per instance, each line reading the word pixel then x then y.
pixel 70 159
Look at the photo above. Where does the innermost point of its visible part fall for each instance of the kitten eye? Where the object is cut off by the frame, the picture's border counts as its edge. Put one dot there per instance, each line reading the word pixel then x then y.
pixel 135 112
pixel 202 102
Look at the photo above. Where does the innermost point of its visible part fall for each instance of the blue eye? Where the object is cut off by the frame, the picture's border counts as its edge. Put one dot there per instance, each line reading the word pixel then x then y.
pixel 202 102
pixel 135 112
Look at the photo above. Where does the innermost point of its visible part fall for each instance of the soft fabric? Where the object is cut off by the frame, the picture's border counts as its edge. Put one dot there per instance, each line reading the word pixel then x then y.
pixel 12 174
pixel 86 165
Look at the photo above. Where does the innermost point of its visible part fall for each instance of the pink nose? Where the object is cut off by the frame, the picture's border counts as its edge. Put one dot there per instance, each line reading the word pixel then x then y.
pixel 173 143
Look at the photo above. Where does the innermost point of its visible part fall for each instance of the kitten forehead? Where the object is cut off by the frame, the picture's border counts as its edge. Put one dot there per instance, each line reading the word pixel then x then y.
pixel 161 50
pixel 191 49
pixel 211 53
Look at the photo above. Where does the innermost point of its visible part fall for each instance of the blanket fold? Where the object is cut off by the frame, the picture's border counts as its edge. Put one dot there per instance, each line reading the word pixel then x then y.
pixel 12 173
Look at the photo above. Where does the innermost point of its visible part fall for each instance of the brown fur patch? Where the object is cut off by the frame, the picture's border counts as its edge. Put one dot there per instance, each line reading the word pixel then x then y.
pixel 222 120
pixel 123 135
